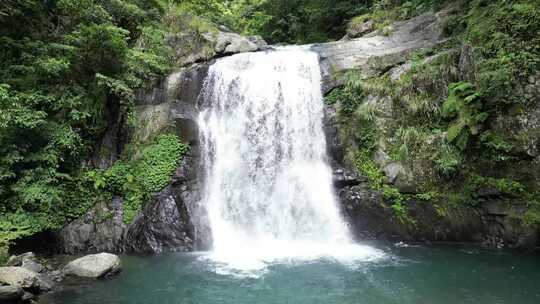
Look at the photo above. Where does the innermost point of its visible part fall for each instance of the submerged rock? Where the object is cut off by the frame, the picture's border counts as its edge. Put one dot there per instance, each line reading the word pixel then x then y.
pixel 94 266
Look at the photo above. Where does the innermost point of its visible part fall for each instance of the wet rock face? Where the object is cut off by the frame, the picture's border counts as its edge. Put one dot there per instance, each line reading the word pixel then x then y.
pixel 503 228
pixel 101 229
pixel 164 225
pixel 371 218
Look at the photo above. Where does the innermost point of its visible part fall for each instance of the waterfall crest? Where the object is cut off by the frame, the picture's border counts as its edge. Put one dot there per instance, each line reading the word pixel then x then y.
pixel 268 190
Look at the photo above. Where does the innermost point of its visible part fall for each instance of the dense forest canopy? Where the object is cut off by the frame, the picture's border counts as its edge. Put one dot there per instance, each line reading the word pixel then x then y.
pixel 285 21
pixel 66 64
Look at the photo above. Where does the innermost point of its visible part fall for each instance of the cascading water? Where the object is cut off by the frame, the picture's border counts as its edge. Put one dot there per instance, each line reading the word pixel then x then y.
pixel 268 191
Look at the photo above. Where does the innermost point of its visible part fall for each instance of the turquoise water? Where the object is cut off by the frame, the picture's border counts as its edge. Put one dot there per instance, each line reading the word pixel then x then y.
pixel 409 275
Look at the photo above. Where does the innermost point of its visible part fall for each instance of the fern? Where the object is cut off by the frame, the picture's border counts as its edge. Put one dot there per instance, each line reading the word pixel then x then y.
pixel 464 107
pixel 454 131
pixel 450 107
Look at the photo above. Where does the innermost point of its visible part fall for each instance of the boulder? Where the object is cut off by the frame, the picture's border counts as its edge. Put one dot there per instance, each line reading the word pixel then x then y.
pixel 399 177
pixel 343 177
pixel 228 43
pixel 94 266
pixel 398 71
pixel 26 260
pixel 24 278
pixel 10 293
pixel 358 29
pixel 27 296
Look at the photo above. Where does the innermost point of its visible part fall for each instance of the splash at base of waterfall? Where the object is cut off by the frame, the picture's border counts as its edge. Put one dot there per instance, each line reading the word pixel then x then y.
pixel 253 260
pixel 268 189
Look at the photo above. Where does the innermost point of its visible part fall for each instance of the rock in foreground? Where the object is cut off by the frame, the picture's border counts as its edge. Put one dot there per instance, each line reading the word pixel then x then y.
pixel 94 266
pixel 26 260
pixel 24 278
pixel 10 293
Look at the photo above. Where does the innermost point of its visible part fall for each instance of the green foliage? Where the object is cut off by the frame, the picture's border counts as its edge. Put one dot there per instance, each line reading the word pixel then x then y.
pixel 367 141
pixel 424 87
pixel 306 21
pixel 150 57
pixel 64 67
pixel 453 25
pixel 449 109
pixel 378 181
pixel 4 254
pixel 532 215
pixel 358 20
pixel 349 97
pixel 45 206
pixel 505 36
pixel 429 196
pixel 102 47
pixel 496 147
pixel 464 106
pixel 448 159
pixel 190 17
pixel 385 12
pixel 289 21
pixel 136 180
pixel 409 141
pixel 504 185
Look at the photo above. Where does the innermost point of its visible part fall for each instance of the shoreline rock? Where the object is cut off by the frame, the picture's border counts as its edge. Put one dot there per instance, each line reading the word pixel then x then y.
pixel 24 278
pixel 98 266
pixel 10 293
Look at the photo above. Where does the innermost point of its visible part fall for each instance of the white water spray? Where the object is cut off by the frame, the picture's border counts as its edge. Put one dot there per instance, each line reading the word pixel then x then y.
pixel 268 191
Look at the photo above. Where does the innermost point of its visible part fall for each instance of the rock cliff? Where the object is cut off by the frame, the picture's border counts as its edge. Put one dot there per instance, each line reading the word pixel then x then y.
pixel 167 220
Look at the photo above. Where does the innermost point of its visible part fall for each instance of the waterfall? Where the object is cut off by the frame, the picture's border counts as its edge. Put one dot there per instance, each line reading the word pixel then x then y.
pixel 268 190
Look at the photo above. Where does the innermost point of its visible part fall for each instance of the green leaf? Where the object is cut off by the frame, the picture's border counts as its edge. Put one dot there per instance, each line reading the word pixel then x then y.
pixel 454 131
